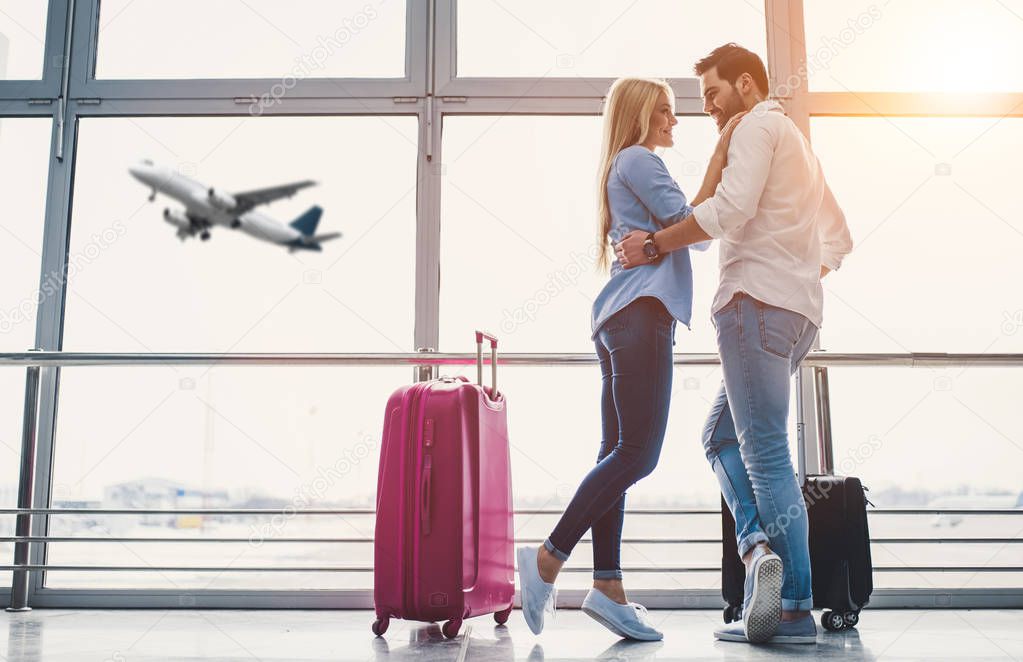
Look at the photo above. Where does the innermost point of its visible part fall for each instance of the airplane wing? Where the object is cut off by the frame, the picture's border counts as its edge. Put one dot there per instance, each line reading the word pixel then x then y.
pixel 246 200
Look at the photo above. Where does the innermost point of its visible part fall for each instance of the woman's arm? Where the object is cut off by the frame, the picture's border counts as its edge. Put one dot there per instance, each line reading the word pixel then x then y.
pixel 718 161
pixel 687 232
pixel 645 175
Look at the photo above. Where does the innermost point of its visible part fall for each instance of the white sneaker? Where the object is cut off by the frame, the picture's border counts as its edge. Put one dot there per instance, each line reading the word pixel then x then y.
pixel 537 595
pixel 628 621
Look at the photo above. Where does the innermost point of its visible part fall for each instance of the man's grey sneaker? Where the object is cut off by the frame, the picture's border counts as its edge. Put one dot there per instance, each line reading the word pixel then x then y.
pixel 802 631
pixel 537 595
pixel 761 610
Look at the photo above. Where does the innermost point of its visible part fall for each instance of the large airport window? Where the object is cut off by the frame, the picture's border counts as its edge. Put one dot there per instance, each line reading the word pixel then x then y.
pixel 936 229
pixel 253 39
pixel 568 39
pixel 22 39
pixel 187 437
pixel 934 439
pixel 532 272
pixel 914 45
pixel 223 259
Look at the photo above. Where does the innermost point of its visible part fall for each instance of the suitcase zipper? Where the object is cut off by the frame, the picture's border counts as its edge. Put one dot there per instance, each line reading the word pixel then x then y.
pixel 409 505
pixel 410 496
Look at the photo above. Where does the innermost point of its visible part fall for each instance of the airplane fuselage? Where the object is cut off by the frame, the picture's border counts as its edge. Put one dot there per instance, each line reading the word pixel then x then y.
pixel 201 206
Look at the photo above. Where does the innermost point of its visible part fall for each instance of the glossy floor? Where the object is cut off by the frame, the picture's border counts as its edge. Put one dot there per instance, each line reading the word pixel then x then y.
pixel 127 635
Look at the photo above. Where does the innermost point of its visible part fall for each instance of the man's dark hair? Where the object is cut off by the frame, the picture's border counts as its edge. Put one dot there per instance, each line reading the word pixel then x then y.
pixel 732 61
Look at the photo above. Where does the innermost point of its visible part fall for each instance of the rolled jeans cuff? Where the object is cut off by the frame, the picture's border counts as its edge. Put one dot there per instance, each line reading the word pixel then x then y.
pixel 806 604
pixel 751 541
pixel 607 574
pixel 558 554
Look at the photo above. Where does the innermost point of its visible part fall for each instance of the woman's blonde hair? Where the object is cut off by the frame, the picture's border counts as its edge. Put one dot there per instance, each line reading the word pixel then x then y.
pixel 627 110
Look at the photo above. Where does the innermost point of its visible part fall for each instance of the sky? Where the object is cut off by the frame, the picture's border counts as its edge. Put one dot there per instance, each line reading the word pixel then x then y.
pixel 931 204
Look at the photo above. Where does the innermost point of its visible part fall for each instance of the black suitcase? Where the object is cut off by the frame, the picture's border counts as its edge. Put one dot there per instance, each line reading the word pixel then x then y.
pixel 840 561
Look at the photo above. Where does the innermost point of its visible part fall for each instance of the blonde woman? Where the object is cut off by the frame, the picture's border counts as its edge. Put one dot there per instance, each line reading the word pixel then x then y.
pixel 633 325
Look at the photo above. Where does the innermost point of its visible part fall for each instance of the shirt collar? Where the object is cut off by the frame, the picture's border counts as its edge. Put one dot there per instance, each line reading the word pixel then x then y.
pixel 767 105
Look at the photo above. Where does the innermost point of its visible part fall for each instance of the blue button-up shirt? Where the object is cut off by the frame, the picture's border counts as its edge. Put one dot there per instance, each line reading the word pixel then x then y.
pixel 643 196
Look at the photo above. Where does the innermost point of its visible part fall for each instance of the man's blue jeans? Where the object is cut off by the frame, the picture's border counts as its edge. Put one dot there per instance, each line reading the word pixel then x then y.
pixel 746 437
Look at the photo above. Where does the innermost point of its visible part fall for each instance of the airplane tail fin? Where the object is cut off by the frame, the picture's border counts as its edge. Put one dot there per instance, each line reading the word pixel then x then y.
pixel 307 222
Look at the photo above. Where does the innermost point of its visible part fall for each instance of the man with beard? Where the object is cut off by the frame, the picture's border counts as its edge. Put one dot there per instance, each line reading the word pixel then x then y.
pixel 781 231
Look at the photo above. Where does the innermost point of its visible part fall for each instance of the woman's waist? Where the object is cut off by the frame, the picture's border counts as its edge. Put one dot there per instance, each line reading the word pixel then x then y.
pixel 674 281
pixel 673 263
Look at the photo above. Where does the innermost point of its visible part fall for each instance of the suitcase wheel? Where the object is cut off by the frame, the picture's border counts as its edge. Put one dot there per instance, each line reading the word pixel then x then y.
pixel 731 613
pixel 851 618
pixel 501 617
pixel 451 629
pixel 833 621
pixel 380 626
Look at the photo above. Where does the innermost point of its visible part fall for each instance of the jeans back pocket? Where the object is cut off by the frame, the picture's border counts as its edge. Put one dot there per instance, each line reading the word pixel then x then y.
pixel 780 329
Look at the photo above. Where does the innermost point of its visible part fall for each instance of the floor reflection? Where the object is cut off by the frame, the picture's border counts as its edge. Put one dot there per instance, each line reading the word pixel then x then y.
pixel 427 642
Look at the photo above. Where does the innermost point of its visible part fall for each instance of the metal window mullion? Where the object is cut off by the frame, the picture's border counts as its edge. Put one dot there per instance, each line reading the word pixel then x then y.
pixel 50 317
pixel 241 106
pixel 696 598
pixel 786 55
pixel 445 46
pixel 426 331
pixel 10 108
pixel 915 104
pixel 50 311
pixel 417 44
pixel 429 170
pixel 474 104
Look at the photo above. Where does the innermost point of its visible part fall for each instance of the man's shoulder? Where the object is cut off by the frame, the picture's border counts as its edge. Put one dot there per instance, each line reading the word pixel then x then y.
pixel 772 122
pixel 765 116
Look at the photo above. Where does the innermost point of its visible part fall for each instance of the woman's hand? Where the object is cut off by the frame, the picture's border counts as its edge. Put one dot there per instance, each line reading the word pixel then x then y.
pixel 725 138
pixel 718 160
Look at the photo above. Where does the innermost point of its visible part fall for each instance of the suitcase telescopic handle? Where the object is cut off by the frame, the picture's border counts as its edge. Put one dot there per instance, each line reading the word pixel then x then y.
pixel 480 336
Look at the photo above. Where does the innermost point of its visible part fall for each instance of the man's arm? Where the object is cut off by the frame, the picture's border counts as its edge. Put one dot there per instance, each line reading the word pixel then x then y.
pixel 836 242
pixel 742 182
pixel 732 205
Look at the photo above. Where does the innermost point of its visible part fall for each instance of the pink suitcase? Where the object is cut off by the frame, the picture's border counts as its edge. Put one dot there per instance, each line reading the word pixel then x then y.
pixel 444 536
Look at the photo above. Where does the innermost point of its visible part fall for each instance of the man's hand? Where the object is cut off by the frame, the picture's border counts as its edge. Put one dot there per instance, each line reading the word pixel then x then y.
pixel 630 250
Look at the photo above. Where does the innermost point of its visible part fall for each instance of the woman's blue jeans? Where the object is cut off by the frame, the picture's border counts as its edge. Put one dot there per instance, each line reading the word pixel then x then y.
pixel 746 435
pixel 635 350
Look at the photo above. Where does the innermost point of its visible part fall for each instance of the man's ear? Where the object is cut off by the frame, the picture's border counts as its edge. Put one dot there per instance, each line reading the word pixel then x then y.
pixel 746 82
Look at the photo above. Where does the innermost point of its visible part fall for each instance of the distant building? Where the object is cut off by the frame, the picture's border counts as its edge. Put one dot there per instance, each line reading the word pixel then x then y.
pixel 162 494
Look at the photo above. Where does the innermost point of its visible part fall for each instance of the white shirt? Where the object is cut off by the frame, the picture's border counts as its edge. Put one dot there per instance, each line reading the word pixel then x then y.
pixel 777 220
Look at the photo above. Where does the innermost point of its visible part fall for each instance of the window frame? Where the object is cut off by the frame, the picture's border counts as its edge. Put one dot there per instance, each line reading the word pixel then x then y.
pixel 85 85
pixel 35 96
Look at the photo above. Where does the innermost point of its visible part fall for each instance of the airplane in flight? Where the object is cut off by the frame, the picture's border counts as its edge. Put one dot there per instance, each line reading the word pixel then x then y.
pixel 206 207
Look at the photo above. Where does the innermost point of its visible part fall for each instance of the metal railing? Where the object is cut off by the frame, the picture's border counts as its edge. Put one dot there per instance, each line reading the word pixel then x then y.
pixel 424 362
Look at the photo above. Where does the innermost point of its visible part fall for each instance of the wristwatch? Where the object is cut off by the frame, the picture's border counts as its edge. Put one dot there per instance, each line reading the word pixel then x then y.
pixel 650 248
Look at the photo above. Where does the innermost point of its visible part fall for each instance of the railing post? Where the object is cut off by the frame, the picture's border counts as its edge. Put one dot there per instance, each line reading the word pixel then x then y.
pixel 26 483
pixel 424 373
pixel 826 445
